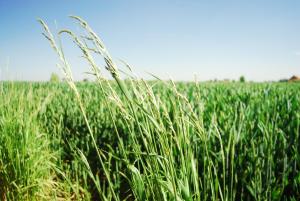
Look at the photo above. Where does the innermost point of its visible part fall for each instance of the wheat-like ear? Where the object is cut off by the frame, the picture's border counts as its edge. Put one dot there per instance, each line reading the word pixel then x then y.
pixel 64 66
pixel 93 35
pixel 48 35
pixel 99 46
pixel 67 70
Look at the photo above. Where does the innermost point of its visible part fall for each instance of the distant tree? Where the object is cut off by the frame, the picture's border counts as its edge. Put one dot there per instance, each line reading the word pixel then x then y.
pixel 85 80
pixel 54 78
pixel 283 80
pixel 242 79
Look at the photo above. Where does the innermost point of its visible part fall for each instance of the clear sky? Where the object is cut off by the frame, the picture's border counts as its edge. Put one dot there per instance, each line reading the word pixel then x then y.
pixel 259 39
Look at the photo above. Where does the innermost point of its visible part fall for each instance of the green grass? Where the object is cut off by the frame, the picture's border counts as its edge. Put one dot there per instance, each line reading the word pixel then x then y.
pixel 154 140
pixel 220 142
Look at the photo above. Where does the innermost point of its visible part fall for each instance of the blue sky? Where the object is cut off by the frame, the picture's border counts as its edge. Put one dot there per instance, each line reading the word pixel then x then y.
pixel 177 39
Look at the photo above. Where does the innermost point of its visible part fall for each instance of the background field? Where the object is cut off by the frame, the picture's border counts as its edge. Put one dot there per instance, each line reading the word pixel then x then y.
pixel 183 141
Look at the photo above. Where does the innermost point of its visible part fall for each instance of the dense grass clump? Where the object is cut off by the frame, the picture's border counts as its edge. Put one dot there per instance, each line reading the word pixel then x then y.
pixel 26 157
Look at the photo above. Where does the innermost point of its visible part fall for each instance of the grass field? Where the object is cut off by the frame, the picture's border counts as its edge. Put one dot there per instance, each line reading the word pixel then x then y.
pixel 146 140
pixel 211 141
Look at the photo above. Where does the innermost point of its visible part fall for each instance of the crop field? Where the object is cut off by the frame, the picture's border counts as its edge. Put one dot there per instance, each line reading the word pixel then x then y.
pixel 188 141
pixel 131 139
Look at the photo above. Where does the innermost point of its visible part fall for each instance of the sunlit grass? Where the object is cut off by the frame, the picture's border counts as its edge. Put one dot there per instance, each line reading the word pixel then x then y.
pixel 146 140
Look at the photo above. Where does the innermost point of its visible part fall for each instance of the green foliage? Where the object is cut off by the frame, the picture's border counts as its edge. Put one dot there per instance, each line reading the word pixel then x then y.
pixel 242 79
pixel 137 140
pixel 54 78
pixel 239 142
pixel 25 157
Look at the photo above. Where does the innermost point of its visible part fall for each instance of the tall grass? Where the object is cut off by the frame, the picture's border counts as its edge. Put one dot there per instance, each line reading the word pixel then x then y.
pixel 146 140
pixel 167 148
pixel 26 158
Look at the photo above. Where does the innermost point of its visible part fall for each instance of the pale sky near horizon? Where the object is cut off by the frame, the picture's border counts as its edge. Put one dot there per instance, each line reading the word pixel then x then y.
pixel 177 39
